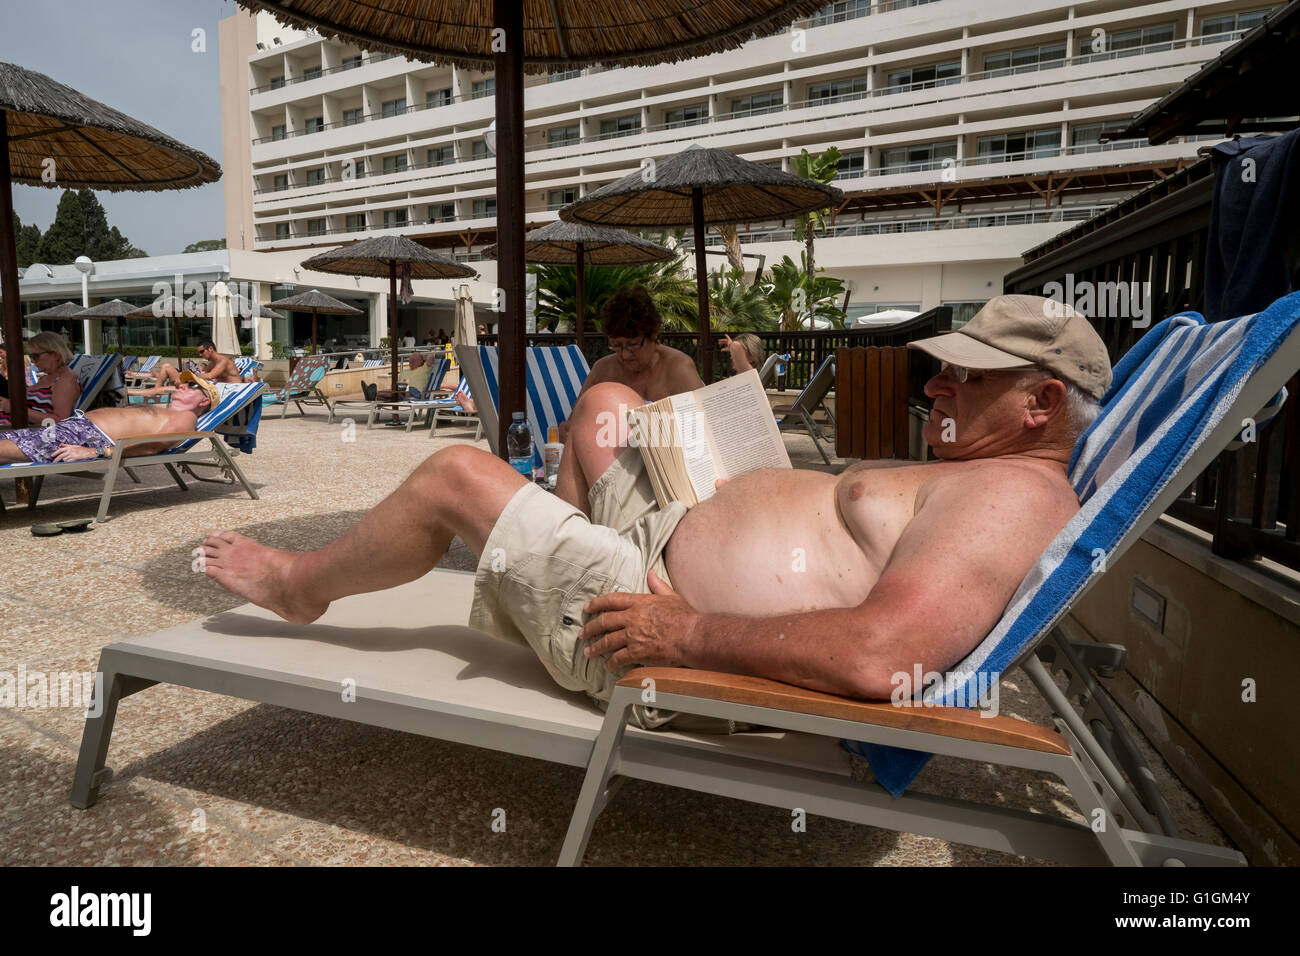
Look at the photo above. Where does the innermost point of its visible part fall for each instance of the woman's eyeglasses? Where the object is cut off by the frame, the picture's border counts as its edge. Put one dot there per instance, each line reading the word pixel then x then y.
pixel 35 355
pixel 627 347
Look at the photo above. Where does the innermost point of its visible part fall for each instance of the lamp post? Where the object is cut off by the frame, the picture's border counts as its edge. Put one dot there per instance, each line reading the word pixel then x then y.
pixel 85 266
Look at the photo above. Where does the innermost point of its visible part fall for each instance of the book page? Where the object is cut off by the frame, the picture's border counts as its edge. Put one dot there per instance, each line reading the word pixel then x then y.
pixel 692 437
pixel 742 429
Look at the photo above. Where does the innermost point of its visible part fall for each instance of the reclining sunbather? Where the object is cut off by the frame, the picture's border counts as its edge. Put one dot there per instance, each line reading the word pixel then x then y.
pixel 55 393
pixel 220 368
pixel 833 582
pixel 83 437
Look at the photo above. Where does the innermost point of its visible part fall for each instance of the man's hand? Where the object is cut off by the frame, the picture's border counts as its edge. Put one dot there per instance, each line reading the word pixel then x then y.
pixel 74 453
pixel 644 629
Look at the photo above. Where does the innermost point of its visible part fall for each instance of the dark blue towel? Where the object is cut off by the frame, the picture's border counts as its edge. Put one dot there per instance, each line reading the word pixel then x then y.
pixel 1253 253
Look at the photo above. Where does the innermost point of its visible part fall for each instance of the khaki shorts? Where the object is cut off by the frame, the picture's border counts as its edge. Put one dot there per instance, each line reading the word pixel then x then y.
pixel 544 560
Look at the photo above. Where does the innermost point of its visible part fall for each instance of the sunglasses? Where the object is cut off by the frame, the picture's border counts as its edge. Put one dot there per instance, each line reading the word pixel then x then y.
pixel 36 355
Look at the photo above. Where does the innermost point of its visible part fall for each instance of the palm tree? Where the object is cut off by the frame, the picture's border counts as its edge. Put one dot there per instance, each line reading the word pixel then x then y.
pixel 820 169
pixel 800 299
pixel 672 291
pixel 735 306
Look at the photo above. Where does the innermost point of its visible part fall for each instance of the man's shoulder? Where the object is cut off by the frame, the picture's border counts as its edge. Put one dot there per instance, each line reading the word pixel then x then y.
pixel 1035 487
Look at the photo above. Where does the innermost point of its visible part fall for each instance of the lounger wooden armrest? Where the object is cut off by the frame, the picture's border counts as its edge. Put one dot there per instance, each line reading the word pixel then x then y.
pixel 121 444
pixel 959 722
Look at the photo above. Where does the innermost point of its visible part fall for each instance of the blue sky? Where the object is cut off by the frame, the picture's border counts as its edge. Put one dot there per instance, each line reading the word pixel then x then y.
pixel 135 56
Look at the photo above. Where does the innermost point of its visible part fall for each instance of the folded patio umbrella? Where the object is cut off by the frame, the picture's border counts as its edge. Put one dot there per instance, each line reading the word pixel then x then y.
pixel 51 135
pixel 540 36
pixel 575 244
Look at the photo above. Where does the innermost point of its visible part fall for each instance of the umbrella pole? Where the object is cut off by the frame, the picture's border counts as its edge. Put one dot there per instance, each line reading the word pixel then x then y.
pixel 392 321
pixel 702 283
pixel 313 331
pixel 176 329
pixel 508 16
pixel 13 309
pixel 582 298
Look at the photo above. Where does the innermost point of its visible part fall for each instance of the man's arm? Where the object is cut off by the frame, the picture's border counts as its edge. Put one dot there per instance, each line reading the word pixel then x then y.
pixel 221 368
pixel 946 584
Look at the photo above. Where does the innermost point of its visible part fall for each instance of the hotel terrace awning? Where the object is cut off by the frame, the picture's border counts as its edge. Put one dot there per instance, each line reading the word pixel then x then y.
pixel 1249 88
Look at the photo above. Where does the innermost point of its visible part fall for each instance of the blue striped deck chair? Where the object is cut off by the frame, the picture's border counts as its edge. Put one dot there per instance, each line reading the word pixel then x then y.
pixel 146 366
pixel 554 377
pixel 1179 397
pixel 372 363
pixel 417 402
pixel 449 410
pixel 95 372
pixel 127 362
pixel 233 421
pixel 246 365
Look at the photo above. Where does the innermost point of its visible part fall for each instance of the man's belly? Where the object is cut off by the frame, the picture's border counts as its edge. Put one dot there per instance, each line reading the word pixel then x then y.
pixel 770 542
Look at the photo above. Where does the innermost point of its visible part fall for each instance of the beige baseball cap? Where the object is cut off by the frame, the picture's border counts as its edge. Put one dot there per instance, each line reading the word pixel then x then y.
pixel 214 396
pixel 1020 331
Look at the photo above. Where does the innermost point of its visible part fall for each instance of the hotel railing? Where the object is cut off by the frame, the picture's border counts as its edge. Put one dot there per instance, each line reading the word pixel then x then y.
pixel 1249 500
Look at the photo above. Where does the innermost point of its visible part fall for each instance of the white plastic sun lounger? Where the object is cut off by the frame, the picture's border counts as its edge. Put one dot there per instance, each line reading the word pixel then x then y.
pixel 454 684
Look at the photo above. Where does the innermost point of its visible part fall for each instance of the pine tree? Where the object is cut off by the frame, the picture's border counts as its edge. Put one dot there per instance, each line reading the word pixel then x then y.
pixel 97 242
pixel 63 241
pixel 26 240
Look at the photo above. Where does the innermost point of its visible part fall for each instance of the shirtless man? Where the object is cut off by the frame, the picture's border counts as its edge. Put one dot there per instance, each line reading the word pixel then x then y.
pixel 638 362
pixel 902 564
pixel 220 368
pixel 93 435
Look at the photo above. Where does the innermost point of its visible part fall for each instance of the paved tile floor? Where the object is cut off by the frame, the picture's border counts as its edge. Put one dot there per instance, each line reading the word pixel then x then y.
pixel 203 779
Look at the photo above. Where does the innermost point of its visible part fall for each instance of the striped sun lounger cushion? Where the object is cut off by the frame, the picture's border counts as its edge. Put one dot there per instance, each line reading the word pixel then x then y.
pixel 235 408
pixel 553 379
pixel 246 365
pixel 94 372
pixel 1169 392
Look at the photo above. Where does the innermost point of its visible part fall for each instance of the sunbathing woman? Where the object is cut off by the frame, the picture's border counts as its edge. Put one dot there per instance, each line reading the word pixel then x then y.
pixel 55 394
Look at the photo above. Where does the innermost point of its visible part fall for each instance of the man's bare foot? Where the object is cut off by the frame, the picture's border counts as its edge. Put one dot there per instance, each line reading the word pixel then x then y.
pixel 260 575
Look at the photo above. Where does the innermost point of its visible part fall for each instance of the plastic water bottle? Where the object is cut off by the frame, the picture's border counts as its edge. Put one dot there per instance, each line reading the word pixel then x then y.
pixel 519 445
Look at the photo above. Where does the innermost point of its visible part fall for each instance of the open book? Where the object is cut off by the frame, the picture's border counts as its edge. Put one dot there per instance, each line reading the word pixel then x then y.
pixel 719 431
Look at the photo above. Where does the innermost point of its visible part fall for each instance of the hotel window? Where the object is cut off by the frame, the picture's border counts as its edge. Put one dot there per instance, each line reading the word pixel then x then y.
pixel 485 207
pixel 311 73
pixel 1025 60
pixel 769 102
pixel 315 176
pixel 563 136
pixel 481 88
pixel 315 227
pixel 282 230
pixel 853 88
pixel 434 98
pixel 358 169
pixel 277 82
pixel 313 124
pixel 1008 147
pixel 394 107
pixel 903 159
pixel 281 182
pixel 442 212
pixel 620 126
pixel 350 62
pixel 354 116
pixel 963 312
pixel 277 132
pixel 561 197
pixel 841 11
pixel 478 150
pixel 924 77
pixel 686 116
pixel 395 164
pixel 440 156
pixel 1087 139
pixel 566 75
pixel 394 218
pixel 1223 28
pixel 356 222
pixel 1130 43
pixel 852 166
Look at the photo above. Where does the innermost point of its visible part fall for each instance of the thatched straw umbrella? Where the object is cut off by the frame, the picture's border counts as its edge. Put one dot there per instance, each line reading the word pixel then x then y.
pixel 573 244
pixel 51 135
pixel 170 307
pixel 316 302
pixel 510 37
pixel 113 309
pixel 384 256
pixel 701 187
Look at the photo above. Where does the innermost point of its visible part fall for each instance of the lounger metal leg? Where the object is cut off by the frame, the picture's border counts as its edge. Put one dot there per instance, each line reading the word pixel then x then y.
pixel 106 496
pixel 132 474
pixel 229 462
pixel 91 772
pixel 595 787
pixel 35 493
pixel 814 430
pixel 176 476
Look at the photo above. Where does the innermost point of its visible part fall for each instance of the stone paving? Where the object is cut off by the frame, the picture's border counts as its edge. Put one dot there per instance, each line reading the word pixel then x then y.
pixel 210 780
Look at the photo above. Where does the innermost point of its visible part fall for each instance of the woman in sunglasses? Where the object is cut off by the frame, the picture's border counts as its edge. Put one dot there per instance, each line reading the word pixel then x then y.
pixel 55 394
